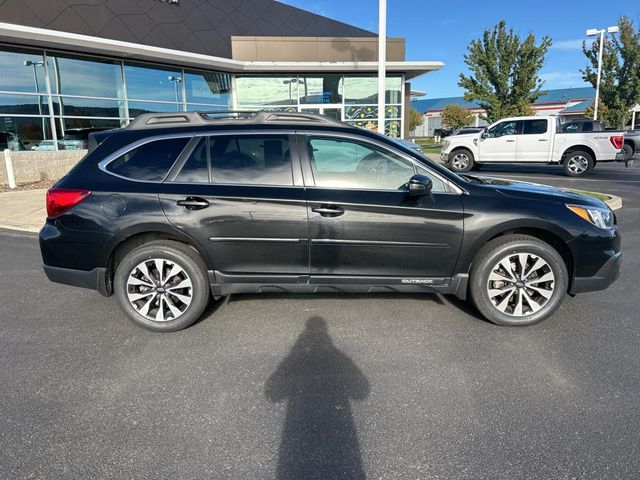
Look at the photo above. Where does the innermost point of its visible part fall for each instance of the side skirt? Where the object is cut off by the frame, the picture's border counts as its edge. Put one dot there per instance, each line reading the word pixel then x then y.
pixel 226 284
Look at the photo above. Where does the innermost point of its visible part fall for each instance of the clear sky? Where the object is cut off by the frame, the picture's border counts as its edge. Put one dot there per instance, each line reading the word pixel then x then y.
pixel 441 30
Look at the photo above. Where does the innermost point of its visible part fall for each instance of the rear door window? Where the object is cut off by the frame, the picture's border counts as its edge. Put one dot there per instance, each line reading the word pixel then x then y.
pixel 535 127
pixel 251 160
pixel 196 168
pixel 150 161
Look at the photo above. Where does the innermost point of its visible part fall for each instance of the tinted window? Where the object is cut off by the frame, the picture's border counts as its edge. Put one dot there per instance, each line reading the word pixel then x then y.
pixel 150 161
pixel 571 128
pixel 196 168
pixel 504 128
pixel 587 127
pixel 535 127
pixel 349 164
pixel 251 159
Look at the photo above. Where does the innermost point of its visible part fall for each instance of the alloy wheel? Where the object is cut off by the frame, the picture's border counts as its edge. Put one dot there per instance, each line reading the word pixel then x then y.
pixel 578 164
pixel 460 161
pixel 159 289
pixel 520 284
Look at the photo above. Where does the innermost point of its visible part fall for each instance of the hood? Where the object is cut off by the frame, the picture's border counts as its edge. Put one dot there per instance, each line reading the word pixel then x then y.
pixel 534 191
pixel 465 136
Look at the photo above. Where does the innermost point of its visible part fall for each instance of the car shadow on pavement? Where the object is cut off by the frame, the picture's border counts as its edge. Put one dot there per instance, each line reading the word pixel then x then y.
pixel 318 382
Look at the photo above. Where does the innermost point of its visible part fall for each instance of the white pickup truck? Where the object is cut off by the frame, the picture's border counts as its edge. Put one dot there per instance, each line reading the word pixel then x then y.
pixel 532 140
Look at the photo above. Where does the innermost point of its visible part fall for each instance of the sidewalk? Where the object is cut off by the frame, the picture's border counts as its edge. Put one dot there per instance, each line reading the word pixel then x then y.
pixel 23 210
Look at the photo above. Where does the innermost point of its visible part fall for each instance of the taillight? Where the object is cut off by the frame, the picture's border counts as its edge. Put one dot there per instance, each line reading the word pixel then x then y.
pixel 617 141
pixel 59 200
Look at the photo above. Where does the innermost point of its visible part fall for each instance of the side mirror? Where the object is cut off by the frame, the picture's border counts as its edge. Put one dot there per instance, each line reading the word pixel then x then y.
pixel 485 133
pixel 419 186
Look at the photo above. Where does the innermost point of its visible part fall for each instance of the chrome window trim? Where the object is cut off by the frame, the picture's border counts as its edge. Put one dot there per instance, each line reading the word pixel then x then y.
pixel 456 190
pixel 103 164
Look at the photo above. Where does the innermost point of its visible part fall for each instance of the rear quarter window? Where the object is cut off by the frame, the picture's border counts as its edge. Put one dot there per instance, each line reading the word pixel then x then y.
pixel 150 161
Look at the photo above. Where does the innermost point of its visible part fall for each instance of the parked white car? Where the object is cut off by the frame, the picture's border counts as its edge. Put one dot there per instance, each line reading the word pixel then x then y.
pixel 532 140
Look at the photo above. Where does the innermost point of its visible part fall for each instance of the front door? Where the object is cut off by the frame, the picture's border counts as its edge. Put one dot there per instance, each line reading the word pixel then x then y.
pixel 239 197
pixel 362 220
pixel 500 144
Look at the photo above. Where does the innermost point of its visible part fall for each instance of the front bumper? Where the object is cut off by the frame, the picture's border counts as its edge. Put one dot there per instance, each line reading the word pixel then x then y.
pixel 444 157
pixel 602 279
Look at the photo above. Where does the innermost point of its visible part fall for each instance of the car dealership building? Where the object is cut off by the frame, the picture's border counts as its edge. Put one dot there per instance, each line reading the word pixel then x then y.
pixel 69 66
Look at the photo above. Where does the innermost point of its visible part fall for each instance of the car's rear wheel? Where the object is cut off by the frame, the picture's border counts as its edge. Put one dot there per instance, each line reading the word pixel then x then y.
pixel 461 160
pixel 578 164
pixel 518 280
pixel 162 286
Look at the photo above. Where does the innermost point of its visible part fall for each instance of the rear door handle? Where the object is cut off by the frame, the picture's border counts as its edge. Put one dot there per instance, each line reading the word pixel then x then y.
pixel 329 210
pixel 193 203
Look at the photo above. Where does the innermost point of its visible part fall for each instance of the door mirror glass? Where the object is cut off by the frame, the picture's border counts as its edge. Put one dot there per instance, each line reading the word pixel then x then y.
pixel 420 185
pixel 485 134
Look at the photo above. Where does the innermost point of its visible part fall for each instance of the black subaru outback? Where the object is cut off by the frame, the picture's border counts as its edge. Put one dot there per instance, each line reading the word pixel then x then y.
pixel 177 208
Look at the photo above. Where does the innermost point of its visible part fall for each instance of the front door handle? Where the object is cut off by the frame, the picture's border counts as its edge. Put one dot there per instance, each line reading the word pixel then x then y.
pixel 510 141
pixel 193 203
pixel 543 140
pixel 328 210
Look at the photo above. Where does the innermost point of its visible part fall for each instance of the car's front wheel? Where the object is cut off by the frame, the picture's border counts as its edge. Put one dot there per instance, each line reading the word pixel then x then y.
pixel 162 286
pixel 461 160
pixel 518 280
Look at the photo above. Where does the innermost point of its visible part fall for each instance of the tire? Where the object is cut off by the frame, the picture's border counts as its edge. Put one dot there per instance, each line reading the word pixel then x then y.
pixel 461 160
pixel 578 163
pixel 183 294
pixel 627 151
pixel 512 307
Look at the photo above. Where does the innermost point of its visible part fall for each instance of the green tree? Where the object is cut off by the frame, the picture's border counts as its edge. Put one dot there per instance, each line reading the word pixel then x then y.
pixel 414 118
pixel 504 72
pixel 454 116
pixel 603 111
pixel 620 78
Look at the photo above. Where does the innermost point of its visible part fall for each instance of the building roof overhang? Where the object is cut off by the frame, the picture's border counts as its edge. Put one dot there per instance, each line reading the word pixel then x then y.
pixel 40 37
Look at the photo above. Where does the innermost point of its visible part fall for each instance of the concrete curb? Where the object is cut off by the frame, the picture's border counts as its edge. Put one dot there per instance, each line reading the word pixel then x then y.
pixel 614 202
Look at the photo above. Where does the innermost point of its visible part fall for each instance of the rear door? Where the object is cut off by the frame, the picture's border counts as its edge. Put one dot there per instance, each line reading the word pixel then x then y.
pixel 535 142
pixel 362 221
pixel 241 198
pixel 501 143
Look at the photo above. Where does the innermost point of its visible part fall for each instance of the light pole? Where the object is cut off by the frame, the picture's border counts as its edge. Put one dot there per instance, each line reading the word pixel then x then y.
pixel 177 82
pixel 382 60
pixel 592 32
pixel 297 81
pixel 33 64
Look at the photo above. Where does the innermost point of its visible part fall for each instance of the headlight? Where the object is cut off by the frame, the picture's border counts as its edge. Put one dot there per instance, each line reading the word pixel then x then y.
pixel 600 217
pixel 445 144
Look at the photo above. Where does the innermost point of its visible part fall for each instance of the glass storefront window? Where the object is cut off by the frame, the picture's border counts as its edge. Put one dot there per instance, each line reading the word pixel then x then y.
pixel 149 83
pixel 210 88
pixel 266 91
pixel 321 89
pixel 138 108
pixel 24 104
pixel 364 90
pixel 86 77
pixel 27 72
pixel 25 133
pixel 87 107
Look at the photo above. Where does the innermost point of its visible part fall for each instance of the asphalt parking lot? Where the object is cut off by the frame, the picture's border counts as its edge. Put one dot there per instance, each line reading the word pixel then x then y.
pixel 326 387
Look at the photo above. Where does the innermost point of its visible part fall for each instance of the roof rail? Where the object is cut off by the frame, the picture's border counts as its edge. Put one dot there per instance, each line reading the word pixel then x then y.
pixel 156 120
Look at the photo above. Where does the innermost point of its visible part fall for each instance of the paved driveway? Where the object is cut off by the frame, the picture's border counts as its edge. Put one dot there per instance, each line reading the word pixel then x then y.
pixel 330 386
